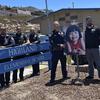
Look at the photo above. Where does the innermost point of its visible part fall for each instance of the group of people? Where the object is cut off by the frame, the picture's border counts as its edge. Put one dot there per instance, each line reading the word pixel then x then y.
pixel 72 43
pixel 19 38
pixel 62 43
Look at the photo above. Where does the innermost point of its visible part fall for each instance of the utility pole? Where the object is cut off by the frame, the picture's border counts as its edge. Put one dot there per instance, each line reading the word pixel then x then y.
pixel 73 4
pixel 46 4
pixel 47 13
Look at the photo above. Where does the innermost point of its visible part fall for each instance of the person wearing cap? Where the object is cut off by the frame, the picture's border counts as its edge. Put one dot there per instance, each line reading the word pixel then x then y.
pixel 92 42
pixel 57 41
pixel 34 39
pixel 20 39
pixel 5 41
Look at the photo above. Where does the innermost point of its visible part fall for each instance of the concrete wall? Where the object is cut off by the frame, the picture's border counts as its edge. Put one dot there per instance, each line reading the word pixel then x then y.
pixel 65 17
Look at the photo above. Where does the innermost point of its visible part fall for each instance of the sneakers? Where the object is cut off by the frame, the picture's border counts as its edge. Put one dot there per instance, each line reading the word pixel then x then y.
pixel 14 81
pixel 65 77
pixel 2 86
pixel 22 79
pixel 88 78
pixel 7 85
pixel 35 74
pixel 51 81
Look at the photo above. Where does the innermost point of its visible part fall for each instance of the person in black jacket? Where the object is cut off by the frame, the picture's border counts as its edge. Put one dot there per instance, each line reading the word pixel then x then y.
pixel 20 39
pixel 5 41
pixel 92 42
pixel 34 39
pixel 58 44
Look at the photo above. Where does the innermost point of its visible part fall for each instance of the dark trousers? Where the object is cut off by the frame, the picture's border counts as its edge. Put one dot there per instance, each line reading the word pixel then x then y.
pixel 36 69
pixel 55 57
pixel 20 74
pixel 93 56
pixel 4 78
pixel 50 64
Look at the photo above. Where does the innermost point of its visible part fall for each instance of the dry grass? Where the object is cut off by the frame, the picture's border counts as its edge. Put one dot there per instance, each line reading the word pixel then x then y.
pixel 35 89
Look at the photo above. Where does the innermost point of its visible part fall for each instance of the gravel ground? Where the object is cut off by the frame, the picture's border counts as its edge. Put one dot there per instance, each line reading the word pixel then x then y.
pixel 37 88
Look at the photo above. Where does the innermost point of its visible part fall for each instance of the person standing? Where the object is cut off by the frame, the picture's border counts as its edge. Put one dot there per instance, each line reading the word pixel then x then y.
pixel 58 44
pixel 20 39
pixel 34 39
pixel 92 42
pixel 5 41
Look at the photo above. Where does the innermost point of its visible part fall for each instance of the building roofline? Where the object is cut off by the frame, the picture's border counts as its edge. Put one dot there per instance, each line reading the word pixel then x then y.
pixel 68 9
pixel 77 9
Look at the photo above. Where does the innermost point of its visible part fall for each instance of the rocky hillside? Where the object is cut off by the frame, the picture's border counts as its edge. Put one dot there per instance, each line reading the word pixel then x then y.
pixel 10 18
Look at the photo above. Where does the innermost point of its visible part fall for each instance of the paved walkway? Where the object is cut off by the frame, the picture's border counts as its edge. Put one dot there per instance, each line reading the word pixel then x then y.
pixel 28 70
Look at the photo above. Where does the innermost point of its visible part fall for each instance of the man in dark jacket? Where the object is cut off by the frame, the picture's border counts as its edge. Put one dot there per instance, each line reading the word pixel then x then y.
pixel 5 41
pixel 34 39
pixel 58 44
pixel 92 42
pixel 20 39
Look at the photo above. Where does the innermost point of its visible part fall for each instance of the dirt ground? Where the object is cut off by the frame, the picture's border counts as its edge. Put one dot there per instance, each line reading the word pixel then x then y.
pixel 36 88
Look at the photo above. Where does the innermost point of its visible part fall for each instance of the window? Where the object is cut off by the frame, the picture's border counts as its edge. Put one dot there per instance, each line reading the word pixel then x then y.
pixel 74 17
pixel 67 14
pixel 62 19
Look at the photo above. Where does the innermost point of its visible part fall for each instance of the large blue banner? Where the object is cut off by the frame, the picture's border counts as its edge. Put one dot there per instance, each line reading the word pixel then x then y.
pixel 23 49
pixel 16 64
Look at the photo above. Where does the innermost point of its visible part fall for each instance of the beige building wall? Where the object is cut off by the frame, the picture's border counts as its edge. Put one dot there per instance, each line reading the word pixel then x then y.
pixel 66 16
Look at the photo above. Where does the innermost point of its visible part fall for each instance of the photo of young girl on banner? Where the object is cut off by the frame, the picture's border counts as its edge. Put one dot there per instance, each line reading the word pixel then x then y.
pixel 75 42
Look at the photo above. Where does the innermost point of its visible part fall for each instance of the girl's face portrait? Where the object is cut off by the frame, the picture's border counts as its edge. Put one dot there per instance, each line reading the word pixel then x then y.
pixel 74 36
